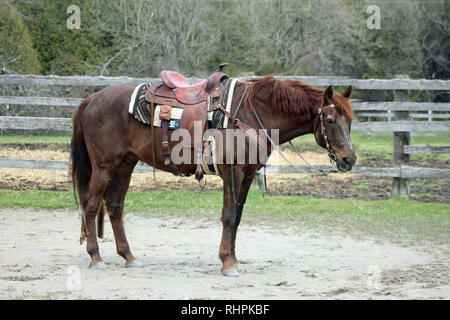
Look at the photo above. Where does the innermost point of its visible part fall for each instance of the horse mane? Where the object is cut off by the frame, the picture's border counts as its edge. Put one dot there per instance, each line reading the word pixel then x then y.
pixel 295 98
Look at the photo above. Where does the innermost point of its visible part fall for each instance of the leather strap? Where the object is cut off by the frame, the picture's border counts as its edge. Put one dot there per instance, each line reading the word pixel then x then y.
pixel 165 141
pixel 248 131
pixel 152 116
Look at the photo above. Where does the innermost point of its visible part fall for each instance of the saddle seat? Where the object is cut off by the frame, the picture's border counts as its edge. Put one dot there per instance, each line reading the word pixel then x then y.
pixel 176 87
pixel 173 80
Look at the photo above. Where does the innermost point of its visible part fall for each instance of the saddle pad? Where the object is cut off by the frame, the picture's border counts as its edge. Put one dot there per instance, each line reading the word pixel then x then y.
pixel 138 107
pixel 174 115
pixel 218 120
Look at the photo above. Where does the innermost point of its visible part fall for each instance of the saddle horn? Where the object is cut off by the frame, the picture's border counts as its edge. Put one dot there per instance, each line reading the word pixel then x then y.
pixel 215 78
pixel 221 66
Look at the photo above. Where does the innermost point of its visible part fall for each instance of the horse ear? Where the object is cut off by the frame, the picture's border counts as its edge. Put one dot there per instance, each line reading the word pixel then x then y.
pixel 329 93
pixel 347 93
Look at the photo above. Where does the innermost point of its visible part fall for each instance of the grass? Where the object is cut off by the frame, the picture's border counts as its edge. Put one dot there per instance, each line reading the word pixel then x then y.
pixel 361 186
pixel 425 184
pixel 198 203
pixel 428 195
pixel 35 138
pixel 397 219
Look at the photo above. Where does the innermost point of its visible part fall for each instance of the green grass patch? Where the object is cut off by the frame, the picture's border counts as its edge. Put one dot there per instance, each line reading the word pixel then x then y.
pixel 43 199
pixel 179 202
pixel 396 219
pixel 361 186
pixel 425 185
pixel 428 195
pixel 35 138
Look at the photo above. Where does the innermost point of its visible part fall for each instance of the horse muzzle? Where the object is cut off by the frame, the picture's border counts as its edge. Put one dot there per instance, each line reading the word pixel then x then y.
pixel 346 163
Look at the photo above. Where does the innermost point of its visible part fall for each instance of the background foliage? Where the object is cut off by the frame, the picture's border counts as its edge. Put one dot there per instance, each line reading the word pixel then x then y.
pixel 286 37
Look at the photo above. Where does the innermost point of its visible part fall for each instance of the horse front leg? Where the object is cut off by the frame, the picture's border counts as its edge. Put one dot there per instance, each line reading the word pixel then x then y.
pixel 243 192
pixel 231 217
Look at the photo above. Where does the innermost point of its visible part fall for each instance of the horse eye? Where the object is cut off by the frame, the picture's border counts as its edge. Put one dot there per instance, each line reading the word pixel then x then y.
pixel 330 121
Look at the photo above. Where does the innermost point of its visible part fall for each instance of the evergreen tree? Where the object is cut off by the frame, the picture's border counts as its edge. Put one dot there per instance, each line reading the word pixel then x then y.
pixel 17 54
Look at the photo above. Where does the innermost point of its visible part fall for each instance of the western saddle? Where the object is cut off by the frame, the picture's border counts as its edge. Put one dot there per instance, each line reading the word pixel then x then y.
pixel 196 100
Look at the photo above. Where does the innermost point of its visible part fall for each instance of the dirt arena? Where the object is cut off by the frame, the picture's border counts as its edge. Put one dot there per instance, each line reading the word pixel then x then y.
pixel 40 258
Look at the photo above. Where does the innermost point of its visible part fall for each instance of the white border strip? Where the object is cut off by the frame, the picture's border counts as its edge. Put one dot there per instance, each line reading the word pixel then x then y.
pixel 229 101
pixel 133 97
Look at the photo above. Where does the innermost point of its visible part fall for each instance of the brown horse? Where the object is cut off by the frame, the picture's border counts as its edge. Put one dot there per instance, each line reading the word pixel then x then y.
pixel 107 142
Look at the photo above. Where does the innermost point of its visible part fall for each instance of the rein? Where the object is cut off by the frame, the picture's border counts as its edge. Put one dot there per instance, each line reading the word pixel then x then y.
pixel 244 127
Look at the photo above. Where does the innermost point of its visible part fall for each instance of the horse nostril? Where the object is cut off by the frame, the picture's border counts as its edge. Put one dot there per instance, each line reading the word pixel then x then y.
pixel 346 161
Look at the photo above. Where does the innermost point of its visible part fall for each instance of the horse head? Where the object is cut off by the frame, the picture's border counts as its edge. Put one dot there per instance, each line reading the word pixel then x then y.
pixel 332 128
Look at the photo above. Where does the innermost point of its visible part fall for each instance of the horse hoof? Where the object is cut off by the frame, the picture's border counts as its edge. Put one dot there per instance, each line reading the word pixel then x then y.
pixel 97 265
pixel 133 264
pixel 230 272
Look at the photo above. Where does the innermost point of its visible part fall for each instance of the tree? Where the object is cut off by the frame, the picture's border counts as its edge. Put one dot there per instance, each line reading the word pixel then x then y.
pixel 61 50
pixel 17 54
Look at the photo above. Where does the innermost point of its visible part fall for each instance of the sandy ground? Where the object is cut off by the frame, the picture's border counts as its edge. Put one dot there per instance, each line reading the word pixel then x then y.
pixel 40 258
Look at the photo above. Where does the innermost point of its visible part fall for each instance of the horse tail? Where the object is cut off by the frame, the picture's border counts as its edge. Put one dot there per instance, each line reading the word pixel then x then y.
pixel 80 165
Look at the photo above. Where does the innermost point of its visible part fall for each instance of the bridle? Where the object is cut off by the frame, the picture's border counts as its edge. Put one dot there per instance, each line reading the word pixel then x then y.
pixel 331 153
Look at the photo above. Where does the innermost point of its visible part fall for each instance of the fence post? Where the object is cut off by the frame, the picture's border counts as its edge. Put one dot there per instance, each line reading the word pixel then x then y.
pixel 400 187
pixel 259 183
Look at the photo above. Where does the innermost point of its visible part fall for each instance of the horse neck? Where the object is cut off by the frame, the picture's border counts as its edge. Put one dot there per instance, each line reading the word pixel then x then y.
pixel 288 128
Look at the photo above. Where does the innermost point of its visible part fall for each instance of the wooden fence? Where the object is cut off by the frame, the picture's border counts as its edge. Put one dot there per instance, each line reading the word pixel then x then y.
pixel 402 120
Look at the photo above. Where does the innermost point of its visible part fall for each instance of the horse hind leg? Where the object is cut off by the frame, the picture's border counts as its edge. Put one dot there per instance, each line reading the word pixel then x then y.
pixel 100 216
pixel 115 198
pixel 98 184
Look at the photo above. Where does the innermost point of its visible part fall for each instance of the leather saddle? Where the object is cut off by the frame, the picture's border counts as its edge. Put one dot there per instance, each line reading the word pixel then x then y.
pixel 196 100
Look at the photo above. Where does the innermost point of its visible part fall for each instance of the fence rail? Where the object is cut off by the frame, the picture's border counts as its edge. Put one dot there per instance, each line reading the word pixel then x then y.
pixel 390 172
pixel 401 114
pixel 364 84
pixel 64 125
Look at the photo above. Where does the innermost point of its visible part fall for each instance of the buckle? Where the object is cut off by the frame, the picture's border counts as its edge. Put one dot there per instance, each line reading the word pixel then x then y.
pixel 332 156
pixel 165 148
